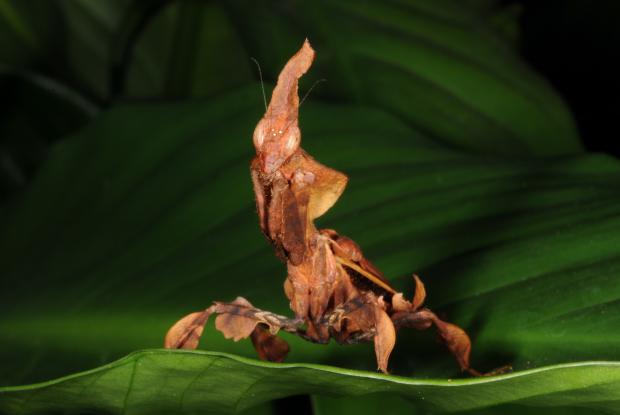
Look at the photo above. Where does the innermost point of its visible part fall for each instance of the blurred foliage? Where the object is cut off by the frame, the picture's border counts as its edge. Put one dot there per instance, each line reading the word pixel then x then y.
pixel 34 112
pixel 136 117
pixel 440 65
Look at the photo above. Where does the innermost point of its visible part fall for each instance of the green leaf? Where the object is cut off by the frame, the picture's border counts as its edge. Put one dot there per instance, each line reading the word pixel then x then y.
pixel 16 24
pixel 188 49
pixel 192 382
pixel 25 31
pixel 23 143
pixel 147 215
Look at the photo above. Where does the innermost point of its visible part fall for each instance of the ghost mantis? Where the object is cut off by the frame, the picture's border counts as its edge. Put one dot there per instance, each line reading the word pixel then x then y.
pixel 334 291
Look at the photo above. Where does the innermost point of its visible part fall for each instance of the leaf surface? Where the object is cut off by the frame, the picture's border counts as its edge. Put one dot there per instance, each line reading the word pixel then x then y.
pixel 211 382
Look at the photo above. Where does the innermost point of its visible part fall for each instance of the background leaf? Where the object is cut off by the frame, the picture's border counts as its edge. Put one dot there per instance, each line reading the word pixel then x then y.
pixel 25 31
pixel 189 45
pixel 58 111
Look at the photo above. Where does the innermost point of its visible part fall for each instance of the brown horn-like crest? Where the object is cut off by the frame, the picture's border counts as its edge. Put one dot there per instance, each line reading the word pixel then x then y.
pixel 284 104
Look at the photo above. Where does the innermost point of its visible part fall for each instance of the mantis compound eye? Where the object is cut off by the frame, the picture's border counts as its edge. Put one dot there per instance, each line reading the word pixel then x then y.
pixel 292 140
pixel 259 136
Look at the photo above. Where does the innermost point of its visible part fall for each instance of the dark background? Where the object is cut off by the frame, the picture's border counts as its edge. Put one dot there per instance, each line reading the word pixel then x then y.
pixel 574 44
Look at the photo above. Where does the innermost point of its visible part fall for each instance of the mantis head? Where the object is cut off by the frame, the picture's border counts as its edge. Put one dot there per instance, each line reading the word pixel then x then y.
pixel 275 142
pixel 277 135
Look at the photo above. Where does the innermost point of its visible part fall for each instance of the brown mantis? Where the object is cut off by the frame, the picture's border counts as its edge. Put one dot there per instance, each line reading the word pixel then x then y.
pixel 334 291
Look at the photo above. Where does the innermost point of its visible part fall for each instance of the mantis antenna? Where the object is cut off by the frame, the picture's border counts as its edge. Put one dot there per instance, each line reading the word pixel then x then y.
pixel 311 88
pixel 262 85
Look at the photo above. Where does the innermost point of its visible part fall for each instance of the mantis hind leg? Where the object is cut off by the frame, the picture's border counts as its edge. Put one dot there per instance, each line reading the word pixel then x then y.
pixel 455 338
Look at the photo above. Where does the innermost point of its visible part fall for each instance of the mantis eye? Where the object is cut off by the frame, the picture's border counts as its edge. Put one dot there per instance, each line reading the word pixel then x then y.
pixel 259 136
pixel 292 142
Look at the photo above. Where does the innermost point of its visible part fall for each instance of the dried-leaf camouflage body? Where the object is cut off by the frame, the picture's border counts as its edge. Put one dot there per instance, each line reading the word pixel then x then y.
pixel 334 291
